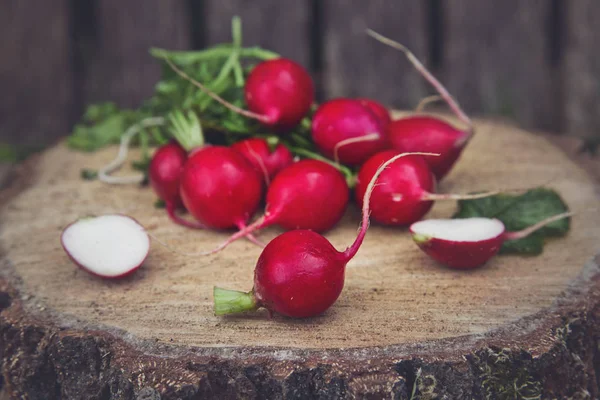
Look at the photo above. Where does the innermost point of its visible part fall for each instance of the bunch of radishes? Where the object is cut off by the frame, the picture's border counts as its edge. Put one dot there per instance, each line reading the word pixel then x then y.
pixel 395 166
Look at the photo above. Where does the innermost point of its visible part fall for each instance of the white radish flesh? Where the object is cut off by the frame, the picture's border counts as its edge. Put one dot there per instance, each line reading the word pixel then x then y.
pixel 459 230
pixel 109 246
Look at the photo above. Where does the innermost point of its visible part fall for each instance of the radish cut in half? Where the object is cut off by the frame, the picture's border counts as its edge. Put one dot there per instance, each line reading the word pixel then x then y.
pixel 459 243
pixel 109 246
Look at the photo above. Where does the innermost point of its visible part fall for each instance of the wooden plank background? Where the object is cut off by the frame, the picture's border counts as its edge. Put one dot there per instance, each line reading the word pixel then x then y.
pixel 535 62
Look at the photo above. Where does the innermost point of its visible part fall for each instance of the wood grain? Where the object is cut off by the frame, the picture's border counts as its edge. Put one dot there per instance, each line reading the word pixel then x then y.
pixel 496 61
pixel 279 25
pixel 118 65
pixel 35 72
pixel 357 65
pixel 582 69
pixel 516 327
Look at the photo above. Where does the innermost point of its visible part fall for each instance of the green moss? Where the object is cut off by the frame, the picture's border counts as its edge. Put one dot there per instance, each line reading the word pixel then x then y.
pixel 505 375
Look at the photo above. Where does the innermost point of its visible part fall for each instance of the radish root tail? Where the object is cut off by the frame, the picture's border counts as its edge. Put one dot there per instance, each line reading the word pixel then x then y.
pixel 216 97
pixel 104 172
pixel 353 249
pixel 453 104
pixel 367 138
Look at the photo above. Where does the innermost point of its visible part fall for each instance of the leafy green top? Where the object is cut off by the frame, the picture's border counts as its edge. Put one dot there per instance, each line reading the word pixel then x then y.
pixel 518 212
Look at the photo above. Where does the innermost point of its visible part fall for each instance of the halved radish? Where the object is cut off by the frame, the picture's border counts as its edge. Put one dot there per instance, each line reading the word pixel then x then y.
pixel 108 246
pixel 468 242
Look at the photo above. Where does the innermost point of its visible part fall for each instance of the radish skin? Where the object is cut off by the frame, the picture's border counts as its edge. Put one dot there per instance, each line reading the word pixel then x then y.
pixel 470 242
pixel 299 274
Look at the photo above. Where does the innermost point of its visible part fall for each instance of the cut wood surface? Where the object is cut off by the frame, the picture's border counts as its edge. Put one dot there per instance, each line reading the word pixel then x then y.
pixel 402 323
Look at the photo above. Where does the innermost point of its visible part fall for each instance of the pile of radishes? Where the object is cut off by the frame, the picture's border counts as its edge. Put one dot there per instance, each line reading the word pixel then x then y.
pixel 394 166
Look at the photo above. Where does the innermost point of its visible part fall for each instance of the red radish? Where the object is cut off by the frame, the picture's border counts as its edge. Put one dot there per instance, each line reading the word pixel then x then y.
pixel 426 133
pixel 220 188
pixel 108 246
pixel 309 194
pixel 406 191
pixel 164 174
pixel 299 273
pixel 470 242
pixel 279 93
pixel 347 131
pixel 378 109
pixel 266 161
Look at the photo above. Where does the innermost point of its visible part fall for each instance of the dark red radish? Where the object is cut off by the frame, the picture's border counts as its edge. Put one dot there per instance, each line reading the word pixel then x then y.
pixel 109 246
pixel 299 274
pixel 279 93
pixel 406 189
pixel 164 174
pixel 427 133
pixel 470 242
pixel 309 194
pixel 266 161
pixel 347 131
pixel 378 109
pixel 220 188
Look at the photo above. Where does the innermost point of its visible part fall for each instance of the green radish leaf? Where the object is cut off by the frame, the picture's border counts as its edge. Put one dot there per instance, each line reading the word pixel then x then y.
pixel 518 212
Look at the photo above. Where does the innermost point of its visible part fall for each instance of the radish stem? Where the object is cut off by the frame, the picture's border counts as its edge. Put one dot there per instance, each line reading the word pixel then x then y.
pixel 529 230
pixel 233 301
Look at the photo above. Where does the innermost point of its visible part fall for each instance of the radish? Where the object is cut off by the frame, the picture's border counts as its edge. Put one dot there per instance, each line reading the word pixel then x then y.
pixel 220 188
pixel 406 191
pixel 164 174
pixel 299 273
pixel 266 161
pixel 426 133
pixel 279 93
pixel 378 109
pixel 347 131
pixel 108 246
pixel 470 242
pixel 309 194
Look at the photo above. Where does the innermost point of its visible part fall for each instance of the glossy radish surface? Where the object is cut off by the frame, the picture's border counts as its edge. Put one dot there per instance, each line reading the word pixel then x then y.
pixel 266 161
pixel 347 131
pixel 108 246
pixel 467 243
pixel 299 273
pixel 280 89
pixel 431 135
pixel 378 109
pixel 220 188
pixel 164 174
pixel 398 199
pixel 309 194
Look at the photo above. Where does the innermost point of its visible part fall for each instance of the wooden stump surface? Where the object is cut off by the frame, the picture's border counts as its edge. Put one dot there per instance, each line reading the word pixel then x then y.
pixel 397 306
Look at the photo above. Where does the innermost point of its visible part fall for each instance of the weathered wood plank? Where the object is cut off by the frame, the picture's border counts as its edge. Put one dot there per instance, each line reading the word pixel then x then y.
pixel 279 25
pixel 357 65
pixel 582 69
pixel 34 72
pixel 496 60
pixel 120 68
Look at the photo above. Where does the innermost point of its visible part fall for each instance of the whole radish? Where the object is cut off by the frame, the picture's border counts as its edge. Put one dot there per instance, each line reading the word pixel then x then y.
pixel 279 93
pixel 309 194
pixel 406 191
pixel 299 274
pixel 109 246
pixel 378 109
pixel 427 133
pixel 266 161
pixel 220 188
pixel 164 174
pixel 470 242
pixel 347 131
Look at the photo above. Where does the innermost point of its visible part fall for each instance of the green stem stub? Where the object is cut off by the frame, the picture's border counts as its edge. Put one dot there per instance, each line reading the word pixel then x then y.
pixel 421 239
pixel 233 301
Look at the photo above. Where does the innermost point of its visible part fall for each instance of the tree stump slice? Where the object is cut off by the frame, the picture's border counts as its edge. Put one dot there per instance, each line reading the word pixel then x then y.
pixel 403 328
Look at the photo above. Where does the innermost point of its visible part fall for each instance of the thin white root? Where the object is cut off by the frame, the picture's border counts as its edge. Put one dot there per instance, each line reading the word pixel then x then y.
pixel 104 172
